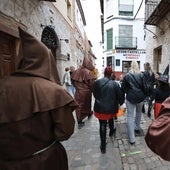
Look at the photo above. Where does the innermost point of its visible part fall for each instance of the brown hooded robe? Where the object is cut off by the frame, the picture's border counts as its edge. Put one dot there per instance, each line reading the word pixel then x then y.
pixel 83 80
pixel 35 112
pixel 158 134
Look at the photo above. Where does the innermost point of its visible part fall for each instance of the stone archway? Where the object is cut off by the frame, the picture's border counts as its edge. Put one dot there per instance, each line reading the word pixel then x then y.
pixel 50 39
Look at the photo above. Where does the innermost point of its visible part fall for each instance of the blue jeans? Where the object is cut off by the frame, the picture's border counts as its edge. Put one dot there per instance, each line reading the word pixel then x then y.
pixel 134 112
pixel 71 89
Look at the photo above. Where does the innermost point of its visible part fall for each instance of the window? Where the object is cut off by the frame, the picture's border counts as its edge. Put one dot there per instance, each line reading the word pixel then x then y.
pixel 68 9
pixel 126 66
pixel 109 39
pixel 109 6
pixel 117 62
pixel 126 7
pixel 109 61
pixel 125 35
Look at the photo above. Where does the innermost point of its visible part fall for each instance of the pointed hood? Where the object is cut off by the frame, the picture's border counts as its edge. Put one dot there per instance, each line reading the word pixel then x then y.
pixel 84 73
pixel 166 72
pixel 88 64
pixel 35 58
pixel 32 89
pixel 164 78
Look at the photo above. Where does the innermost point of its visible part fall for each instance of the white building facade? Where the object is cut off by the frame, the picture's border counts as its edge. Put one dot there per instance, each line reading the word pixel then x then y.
pixel 79 33
pixel 123 34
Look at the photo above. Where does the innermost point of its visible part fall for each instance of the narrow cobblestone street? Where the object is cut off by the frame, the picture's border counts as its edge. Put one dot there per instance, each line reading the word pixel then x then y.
pixel 84 153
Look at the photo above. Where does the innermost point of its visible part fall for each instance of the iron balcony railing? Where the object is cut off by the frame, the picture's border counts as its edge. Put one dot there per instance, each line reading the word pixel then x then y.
pixel 125 42
pixel 155 11
pixel 150 6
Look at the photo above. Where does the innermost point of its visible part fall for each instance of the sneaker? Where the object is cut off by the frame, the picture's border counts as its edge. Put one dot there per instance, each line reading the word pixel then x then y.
pixel 132 143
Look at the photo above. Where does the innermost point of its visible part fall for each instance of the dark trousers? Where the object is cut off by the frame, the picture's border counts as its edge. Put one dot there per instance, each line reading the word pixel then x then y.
pixel 103 131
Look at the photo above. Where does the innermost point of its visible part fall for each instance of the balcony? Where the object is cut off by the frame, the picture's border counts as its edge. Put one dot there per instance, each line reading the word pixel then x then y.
pixel 125 42
pixel 155 10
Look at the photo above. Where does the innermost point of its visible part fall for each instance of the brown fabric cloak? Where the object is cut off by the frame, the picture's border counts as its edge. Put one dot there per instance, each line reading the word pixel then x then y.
pixel 35 112
pixel 83 80
pixel 157 137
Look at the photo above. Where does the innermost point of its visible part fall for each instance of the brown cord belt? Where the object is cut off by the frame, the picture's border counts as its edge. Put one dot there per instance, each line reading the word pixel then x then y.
pixel 42 150
pixel 34 154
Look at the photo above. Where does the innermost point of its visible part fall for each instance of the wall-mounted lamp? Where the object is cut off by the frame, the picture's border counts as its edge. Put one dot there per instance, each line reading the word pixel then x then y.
pixel 66 40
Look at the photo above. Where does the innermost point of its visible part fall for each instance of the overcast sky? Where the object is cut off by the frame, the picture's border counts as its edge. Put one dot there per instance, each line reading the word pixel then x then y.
pixel 92 14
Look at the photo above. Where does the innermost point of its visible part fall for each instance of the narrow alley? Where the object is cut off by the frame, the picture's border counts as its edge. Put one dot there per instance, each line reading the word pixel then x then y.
pixel 84 152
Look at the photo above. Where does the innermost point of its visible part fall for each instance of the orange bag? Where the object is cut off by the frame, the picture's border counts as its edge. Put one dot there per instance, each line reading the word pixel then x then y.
pixel 157 107
pixel 120 112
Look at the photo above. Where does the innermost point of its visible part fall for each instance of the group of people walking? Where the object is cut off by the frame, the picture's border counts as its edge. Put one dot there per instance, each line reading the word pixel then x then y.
pixel 134 89
pixel 36 112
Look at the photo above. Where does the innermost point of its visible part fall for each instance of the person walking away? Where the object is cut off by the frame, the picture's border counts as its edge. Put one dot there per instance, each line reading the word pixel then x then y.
pixel 67 81
pixel 83 80
pixel 132 87
pixel 73 90
pixel 150 81
pixel 108 97
pixel 35 112
pixel 160 93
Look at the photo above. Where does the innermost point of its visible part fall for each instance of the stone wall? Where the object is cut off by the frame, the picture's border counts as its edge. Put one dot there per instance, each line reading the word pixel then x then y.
pixel 160 39
pixel 34 15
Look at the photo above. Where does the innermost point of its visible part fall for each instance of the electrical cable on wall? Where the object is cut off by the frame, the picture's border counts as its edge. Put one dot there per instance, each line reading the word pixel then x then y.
pixel 138 9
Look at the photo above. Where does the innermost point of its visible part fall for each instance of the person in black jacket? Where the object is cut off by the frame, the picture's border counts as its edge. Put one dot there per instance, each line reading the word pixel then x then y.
pixel 107 96
pixel 160 93
pixel 150 81
pixel 132 86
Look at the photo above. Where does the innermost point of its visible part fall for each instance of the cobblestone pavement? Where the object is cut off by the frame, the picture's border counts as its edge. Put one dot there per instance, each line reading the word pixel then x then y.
pixel 84 153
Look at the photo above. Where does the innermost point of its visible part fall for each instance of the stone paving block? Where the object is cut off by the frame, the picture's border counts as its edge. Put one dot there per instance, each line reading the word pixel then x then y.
pixel 142 167
pixel 126 166
pixel 133 167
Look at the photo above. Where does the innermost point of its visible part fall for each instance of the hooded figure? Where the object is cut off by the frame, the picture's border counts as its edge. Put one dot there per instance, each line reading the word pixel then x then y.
pixel 83 80
pixel 35 112
pixel 161 92
pixel 157 136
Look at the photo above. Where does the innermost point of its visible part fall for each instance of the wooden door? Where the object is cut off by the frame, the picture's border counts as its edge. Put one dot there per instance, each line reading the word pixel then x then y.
pixel 7 54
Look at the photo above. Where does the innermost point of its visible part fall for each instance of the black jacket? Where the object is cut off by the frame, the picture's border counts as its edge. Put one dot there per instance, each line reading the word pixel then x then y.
pixel 107 96
pixel 133 87
pixel 149 82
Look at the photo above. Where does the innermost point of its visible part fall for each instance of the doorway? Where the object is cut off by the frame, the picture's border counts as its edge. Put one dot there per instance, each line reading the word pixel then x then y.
pixel 7 54
pixel 157 58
